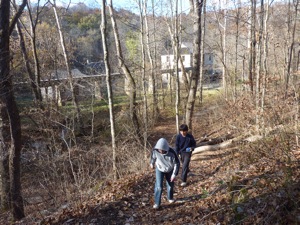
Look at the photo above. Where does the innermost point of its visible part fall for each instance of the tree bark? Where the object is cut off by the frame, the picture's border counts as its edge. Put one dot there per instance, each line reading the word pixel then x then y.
pixel 70 76
pixel 252 47
pixel 202 52
pixel 291 47
pixel 152 60
pixel 32 78
pixel 197 6
pixel 10 125
pixel 109 87
pixel 142 9
pixel 128 75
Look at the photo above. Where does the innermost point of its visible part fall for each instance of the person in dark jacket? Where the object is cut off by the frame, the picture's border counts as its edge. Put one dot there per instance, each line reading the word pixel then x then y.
pixel 167 164
pixel 184 146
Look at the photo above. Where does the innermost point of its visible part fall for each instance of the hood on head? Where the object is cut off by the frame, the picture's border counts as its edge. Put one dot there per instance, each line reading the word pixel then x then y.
pixel 162 144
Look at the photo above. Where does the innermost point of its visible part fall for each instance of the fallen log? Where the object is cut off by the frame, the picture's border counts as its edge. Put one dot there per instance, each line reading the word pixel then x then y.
pixel 219 143
pixel 224 144
pixel 215 141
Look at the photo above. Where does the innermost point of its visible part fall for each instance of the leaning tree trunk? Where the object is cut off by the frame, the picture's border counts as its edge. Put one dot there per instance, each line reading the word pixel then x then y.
pixel 173 31
pixel 197 6
pixel 291 48
pixel 70 76
pixel 36 78
pixel 143 15
pixel 109 87
pixel 264 64
pixel 10 125
pixel 128 75
pixel 202 52
pixel 152 60
pixel 252 47
pixel 176 58
pixel 32 78
pixel 237 36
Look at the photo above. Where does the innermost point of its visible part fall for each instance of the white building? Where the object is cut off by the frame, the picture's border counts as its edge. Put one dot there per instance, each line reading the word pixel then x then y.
pixel 186 51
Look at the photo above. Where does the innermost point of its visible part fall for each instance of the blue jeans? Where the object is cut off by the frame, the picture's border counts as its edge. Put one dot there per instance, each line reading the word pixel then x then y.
pixel 159 186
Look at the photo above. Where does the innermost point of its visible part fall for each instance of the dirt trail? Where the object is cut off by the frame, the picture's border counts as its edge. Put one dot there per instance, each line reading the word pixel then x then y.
pixel 219 190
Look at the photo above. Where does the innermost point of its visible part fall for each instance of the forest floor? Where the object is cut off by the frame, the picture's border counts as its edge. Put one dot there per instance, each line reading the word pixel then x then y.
pixel 244 183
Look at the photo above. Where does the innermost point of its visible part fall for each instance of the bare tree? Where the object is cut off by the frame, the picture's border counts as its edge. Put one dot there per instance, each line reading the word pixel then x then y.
pixel 142 9
pixel 292 32
pixel 196 7
pixel 128 75
pixel 152 59
pixel 174 35
pixel 237 36
pixel 252 45
pixel 176 58
pixel 36 76
pixel 202 52
pixel 265 71
pixel 67 62
pixel 32 78
pixel 109 85
pixel 10 125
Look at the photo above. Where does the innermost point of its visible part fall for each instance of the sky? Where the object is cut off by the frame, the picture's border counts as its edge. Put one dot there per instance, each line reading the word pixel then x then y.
pixel 125 4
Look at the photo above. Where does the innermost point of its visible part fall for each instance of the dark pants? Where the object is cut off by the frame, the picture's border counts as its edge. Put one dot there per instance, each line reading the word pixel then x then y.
pixel 185 160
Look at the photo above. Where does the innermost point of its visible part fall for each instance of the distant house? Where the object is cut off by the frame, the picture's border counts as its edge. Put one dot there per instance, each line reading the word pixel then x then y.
pixel 94 67
pixel 56 85
pixel 186 51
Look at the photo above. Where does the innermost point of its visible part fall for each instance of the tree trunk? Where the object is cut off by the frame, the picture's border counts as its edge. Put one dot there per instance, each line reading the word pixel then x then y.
pixel 197 7
pixel 292 41
pixel 70 76
pixel 128 75
pixel 32 78
pixel 202 52
pixel 176 58
pixel 10 125
pixel 37 72
pixel 224 52
pixel 152 60
pixel 237 34
pixel 142 9
pixel 259 71
pixel 173 31
pixel 252 42
pixel 109 87
pixel 264 63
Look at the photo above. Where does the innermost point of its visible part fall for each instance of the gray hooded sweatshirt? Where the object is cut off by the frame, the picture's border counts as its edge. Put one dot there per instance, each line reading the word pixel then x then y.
pixel 165 162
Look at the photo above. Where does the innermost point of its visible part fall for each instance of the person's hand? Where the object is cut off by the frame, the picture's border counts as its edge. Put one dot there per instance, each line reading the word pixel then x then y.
pixel 151 166
pixel 173 178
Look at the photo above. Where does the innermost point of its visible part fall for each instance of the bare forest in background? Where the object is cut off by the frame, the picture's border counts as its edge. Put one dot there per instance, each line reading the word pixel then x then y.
pixel 82 89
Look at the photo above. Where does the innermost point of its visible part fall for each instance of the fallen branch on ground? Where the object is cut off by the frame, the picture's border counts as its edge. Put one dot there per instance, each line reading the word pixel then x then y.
pixel 224 144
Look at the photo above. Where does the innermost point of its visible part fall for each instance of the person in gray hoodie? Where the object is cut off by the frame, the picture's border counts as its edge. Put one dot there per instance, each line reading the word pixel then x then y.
pixel 167 164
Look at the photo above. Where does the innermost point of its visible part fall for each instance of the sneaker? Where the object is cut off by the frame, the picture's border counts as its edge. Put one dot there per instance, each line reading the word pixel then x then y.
pixel 183 184
pixel 171 200
pixel 155 206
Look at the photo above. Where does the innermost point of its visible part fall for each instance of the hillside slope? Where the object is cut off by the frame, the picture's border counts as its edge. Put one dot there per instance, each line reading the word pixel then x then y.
pixel 245 183
pixel 218 193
